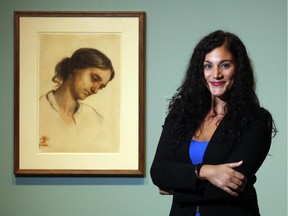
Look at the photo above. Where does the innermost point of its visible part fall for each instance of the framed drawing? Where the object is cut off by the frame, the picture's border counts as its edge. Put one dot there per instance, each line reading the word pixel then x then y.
pixel 79 93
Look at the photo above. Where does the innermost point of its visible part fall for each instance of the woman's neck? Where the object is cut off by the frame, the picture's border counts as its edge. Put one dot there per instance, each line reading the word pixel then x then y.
pixel 217 107
pixel 211 121
pixel 67 105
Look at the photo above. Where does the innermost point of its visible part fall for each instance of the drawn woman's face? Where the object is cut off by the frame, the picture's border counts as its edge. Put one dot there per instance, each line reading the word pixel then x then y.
pixel 86 82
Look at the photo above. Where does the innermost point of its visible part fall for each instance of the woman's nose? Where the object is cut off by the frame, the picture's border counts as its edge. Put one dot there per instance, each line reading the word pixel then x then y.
pixel 95 88
pixel 217 73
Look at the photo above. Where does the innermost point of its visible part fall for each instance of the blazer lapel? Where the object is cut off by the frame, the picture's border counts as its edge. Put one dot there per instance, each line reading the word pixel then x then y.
pixel 219 147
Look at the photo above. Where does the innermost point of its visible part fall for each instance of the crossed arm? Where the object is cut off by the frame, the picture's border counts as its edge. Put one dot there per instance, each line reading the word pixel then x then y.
pixel 231 176
pixel 222 176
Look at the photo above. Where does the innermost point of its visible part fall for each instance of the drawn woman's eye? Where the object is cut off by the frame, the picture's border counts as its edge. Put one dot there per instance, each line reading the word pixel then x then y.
pixel 95 78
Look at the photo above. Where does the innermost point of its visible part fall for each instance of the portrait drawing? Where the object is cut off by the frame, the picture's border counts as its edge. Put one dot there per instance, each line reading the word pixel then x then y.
pixel 93 126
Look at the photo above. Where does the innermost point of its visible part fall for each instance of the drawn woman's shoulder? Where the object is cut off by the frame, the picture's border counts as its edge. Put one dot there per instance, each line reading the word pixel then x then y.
pixel 86 109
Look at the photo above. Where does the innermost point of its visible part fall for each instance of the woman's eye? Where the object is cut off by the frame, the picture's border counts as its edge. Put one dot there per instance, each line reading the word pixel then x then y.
pixel 225 65
pixel 207 66
pixel 95 78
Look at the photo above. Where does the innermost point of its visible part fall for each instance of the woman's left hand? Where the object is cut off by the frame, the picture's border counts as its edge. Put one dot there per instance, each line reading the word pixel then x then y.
pixel 225 177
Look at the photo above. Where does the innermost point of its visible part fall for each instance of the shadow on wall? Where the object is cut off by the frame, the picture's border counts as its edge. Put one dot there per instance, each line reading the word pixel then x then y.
pixel 79 181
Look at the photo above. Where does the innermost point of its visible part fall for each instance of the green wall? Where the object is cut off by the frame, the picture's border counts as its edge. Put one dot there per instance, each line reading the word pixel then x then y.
pixel 173 28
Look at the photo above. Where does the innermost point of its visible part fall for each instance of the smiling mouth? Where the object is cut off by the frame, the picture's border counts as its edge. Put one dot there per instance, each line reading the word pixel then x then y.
pixel 217 83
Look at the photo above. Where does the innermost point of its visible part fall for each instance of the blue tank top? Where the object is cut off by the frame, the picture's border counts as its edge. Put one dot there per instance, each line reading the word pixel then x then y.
pixel 196 153
pixel 197 150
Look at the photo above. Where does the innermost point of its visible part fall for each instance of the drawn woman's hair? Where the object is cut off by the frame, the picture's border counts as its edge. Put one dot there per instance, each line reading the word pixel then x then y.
pixel 81 59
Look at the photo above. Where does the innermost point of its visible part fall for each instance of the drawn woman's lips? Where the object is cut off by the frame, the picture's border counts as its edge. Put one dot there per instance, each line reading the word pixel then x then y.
pixel 88 93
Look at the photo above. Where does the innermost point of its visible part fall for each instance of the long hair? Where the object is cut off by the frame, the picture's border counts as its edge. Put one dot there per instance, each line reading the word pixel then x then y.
pixel 81 59
pixel 192 101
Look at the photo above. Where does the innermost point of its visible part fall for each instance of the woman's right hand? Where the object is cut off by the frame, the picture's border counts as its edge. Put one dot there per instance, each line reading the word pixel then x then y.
pixel 163 191
pixel 225 177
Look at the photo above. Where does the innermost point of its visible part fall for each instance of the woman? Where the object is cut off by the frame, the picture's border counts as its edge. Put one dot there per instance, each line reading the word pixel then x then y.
pixel 66 124
pixel 216 135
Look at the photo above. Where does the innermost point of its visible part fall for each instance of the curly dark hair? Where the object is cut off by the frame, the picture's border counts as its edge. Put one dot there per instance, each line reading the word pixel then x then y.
pixel 192 102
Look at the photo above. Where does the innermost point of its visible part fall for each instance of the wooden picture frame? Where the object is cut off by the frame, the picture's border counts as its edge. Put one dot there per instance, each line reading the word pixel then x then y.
pixel 42 40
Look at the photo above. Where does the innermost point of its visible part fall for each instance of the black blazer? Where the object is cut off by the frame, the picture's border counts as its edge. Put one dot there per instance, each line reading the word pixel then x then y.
pixel 172 169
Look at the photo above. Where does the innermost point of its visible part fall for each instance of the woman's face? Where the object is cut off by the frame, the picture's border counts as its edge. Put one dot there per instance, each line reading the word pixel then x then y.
pixel 86 82
pixel 219 71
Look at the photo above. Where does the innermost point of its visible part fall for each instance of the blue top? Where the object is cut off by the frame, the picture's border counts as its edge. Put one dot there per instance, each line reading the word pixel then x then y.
pixel 197 150
pixel 196 153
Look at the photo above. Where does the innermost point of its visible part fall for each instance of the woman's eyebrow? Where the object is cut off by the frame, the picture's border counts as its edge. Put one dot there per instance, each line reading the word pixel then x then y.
pixel 225 60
